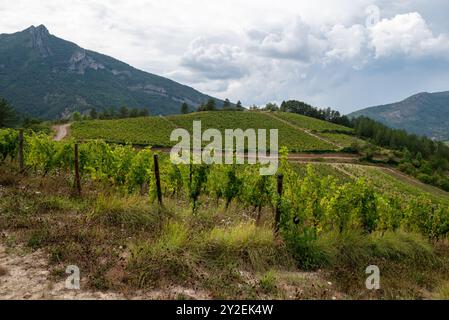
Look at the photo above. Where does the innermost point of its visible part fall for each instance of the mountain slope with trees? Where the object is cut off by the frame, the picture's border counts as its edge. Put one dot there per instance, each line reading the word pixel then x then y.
pixel 423 114
pixel 47 77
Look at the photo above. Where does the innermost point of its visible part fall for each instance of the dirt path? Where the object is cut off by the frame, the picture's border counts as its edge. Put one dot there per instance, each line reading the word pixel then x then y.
pixel 398 175
pixel 26 276
pixel 339 167
pixel 62 131
pixel 309 132
pixel 410 180
pixel 174 125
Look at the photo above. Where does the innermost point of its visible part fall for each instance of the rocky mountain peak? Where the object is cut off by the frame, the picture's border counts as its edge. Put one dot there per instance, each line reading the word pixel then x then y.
pixel 39 40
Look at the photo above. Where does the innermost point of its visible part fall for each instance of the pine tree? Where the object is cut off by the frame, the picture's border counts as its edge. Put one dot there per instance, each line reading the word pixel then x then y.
pixel 93 114
pixel 210 106
pixel 226 104
pixel 124 112
pixel 239 104
pixel 184 108
pixel 8 116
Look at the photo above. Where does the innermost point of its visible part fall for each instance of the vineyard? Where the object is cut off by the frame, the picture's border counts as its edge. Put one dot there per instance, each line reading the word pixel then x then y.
pixel 310 210
pixel 314 202
pixel 155 131
pixel 311 123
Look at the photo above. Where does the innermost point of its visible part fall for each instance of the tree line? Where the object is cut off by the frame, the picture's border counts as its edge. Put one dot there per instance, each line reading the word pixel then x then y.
pixel 211 105
pixel 421 157
pixel 302 108
pixel 123 113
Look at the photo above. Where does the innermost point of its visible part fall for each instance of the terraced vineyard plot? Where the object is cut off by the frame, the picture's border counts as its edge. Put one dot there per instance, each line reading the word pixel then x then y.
pixel 155 131
pixel 152 131
pixel 385 181
pixel 310 123
pixel 295 140
pixel 322 170
pixel 320 128
pixel 344 140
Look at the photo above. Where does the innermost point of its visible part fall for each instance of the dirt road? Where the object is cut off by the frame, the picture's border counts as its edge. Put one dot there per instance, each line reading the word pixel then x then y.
pixel 62 131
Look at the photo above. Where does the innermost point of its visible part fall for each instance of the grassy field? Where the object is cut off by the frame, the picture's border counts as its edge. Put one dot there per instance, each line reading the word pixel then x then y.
pixel 383 179
pixel 155 131
pixel 124 243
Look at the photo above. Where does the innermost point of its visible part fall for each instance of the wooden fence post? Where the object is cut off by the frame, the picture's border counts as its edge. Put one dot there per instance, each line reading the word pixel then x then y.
pixel 77 172
pixel 158 179
pixel 279 203
pixel 21 166
pixel 190 173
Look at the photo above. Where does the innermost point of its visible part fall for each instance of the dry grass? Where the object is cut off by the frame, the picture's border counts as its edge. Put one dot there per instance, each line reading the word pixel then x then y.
pixel 124 242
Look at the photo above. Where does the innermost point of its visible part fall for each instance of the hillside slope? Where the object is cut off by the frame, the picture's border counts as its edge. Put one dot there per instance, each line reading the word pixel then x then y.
pixel 155 131
pixel 423 114
pixel 45 76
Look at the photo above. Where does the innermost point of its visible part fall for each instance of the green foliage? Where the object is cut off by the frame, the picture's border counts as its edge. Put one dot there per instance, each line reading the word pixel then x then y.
pixel 226 104
pixel 8 143
pixel 184 108
pixel 8 116
pixel 311 204
pixel 302 108
pixel 76 116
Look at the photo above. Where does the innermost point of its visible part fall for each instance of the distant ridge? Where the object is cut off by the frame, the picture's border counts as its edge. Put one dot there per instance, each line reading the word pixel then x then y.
pixel 423 114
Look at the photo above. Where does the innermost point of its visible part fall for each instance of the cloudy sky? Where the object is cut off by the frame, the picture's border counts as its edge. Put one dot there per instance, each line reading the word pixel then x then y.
pixel 345 54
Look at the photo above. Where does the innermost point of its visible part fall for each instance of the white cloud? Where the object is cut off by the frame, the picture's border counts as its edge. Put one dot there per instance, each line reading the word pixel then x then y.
pixel 348 44
pixel 292 40
pixel 217 61
pixel 407 35
pixel 260 50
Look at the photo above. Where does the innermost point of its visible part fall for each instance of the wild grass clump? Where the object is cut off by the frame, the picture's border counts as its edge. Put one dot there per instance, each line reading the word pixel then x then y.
pixel 356 249
pixel 308 252
pixel 132 212
pixel 251 246
pixel 401 246
pixel 58 203
pixel 268 282
pixel 166 258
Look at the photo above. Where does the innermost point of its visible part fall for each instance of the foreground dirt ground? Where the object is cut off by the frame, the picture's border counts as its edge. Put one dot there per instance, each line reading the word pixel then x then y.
pixel 26 276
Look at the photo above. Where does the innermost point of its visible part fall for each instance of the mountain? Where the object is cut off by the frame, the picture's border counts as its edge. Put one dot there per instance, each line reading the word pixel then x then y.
pixel 423 114
pixel 45 76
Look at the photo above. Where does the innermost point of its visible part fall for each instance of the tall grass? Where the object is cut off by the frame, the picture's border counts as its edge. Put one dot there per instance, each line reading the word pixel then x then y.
pixel 254 247
pixel 131 212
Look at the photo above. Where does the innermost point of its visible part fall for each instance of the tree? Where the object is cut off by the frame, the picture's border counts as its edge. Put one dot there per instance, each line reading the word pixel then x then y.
pixel 210 105
pixel 253 108
pixel 134 113
pixel 271 107
pixel 93 114
pixel 111 113
pixel 8 116
pixel 227 104
pixel 239 104
pixel 184 108
pixel 76 116
pixel 124 112
pixel 284 106
pixel 144 113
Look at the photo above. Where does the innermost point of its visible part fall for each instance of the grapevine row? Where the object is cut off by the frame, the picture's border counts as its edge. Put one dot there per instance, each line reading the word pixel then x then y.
pixel 309 204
